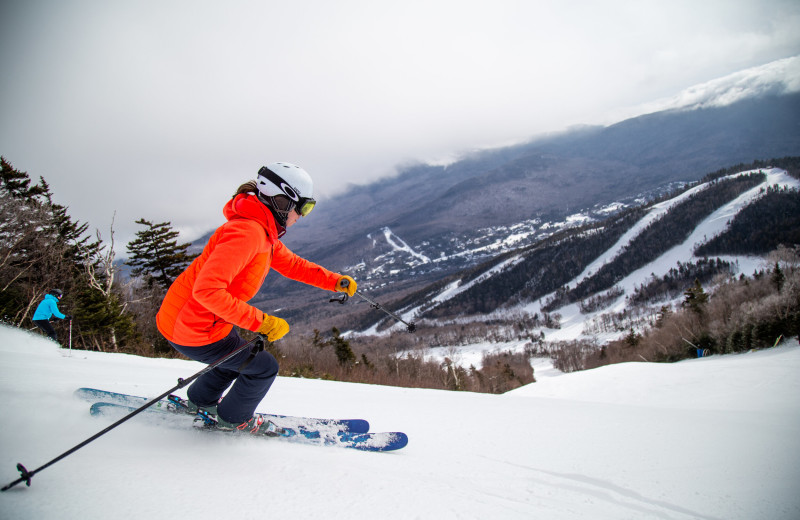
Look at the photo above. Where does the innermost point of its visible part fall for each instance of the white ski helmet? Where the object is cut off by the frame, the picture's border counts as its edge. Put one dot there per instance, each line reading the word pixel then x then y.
pixel 290 181
pixel 282 178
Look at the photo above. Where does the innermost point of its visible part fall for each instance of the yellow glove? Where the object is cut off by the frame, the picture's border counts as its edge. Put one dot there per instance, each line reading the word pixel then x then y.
pixel 273 328
pixel 347 285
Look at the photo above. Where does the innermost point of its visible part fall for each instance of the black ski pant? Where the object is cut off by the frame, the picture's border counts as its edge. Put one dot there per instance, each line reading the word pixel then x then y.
pixel 250 384
pixel 47 328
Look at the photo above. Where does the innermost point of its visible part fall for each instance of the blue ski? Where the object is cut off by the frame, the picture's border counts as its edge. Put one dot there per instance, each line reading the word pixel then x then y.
pixel 324 436
pixel 94 395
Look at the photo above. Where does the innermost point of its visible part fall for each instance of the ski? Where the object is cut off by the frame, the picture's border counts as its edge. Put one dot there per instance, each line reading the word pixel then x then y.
pixel 170 405
pixel 326 435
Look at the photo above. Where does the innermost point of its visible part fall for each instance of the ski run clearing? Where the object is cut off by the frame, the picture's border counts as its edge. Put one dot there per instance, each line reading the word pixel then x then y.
pixel 573 323
pixel 709 438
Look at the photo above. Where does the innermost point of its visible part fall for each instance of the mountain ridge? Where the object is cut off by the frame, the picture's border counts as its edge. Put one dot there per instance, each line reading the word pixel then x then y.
pixel 537 182
pixel 540 178
pixel 549 300
pixel 568 242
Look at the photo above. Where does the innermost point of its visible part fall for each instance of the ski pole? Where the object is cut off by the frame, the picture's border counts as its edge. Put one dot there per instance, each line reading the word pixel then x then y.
pixel 410 326
pixel 70 336
pixel 257 343
pixel 375 305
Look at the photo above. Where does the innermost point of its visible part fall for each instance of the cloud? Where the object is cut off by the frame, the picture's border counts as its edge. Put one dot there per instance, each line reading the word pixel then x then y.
pixel 778 77
pixel 160 109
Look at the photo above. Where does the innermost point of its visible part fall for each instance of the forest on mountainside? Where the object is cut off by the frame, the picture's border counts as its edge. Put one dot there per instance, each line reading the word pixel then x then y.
pixel 677 279
pixel 790 163
pixel 661 235
pixel 761 227
pixel 741 313
pixel 545 267
pixel 541 268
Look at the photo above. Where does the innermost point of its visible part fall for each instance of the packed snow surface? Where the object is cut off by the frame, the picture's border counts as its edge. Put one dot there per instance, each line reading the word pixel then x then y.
pixel 710 438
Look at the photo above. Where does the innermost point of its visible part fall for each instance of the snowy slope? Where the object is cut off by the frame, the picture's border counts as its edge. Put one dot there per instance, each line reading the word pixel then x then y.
pixel 573 322
pixel 714 224
pixel 711 438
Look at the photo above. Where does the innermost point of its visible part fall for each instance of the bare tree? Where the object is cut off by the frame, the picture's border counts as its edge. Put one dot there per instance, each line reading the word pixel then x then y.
pixel 101 274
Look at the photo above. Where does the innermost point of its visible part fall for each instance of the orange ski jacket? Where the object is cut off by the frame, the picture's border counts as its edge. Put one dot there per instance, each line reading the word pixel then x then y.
pixel 211 295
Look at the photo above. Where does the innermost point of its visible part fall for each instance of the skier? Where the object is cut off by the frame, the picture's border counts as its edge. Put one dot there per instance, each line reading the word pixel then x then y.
pixel 210 296
pixel 48 308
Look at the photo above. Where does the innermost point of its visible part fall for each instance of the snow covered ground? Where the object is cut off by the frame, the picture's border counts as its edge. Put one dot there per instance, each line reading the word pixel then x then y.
pixel 711 438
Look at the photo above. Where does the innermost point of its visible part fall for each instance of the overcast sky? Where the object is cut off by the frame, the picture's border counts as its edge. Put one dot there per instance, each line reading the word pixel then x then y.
pixel 160 109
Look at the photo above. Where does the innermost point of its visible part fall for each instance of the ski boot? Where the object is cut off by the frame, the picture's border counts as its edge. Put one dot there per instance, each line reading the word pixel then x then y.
pixel 181 405
pixel 256 425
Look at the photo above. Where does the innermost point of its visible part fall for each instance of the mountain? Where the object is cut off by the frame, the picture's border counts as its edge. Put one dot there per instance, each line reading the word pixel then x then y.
pixel 549 178
pixel 609 267
pixel 704 438
pixel 454 217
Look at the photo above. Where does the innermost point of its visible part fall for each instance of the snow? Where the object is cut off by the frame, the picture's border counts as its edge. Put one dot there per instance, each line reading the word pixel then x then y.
pixel 572 323
pixel 713 225
pixel 706 438
pixel 398 244
pixel 471 354
pixel 657 212
pixel 457 287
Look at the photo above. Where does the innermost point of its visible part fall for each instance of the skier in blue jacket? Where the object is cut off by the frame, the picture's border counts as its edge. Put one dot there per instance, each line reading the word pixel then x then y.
pixel 46 310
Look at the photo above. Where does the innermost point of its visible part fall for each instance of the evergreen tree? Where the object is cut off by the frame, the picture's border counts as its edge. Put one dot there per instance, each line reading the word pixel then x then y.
pixel 632 339
pixel 156 255
pixel 17 183
pixel 101 319
pixel 341 346
pixel 43 248
pixel 778 278
pixel 695 298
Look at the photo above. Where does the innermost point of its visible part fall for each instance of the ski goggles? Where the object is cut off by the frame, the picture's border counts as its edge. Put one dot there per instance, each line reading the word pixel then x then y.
pixel 304 206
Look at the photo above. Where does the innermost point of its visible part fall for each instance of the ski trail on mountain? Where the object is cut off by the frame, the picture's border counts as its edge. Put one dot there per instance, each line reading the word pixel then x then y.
pixel 711 226
pixel 400 245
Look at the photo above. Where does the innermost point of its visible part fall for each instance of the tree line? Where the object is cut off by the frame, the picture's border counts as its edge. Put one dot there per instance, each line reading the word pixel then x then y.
pixel 402 359
pixel 740 314
pixel 761 227
pixel 666 232
pixel 541 268
pixel 790 163
pixel 675 281
pixel 43 248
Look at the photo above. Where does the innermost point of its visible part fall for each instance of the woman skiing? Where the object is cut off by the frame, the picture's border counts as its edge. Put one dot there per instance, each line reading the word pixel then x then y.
pixel 48 308
pixel 210 296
